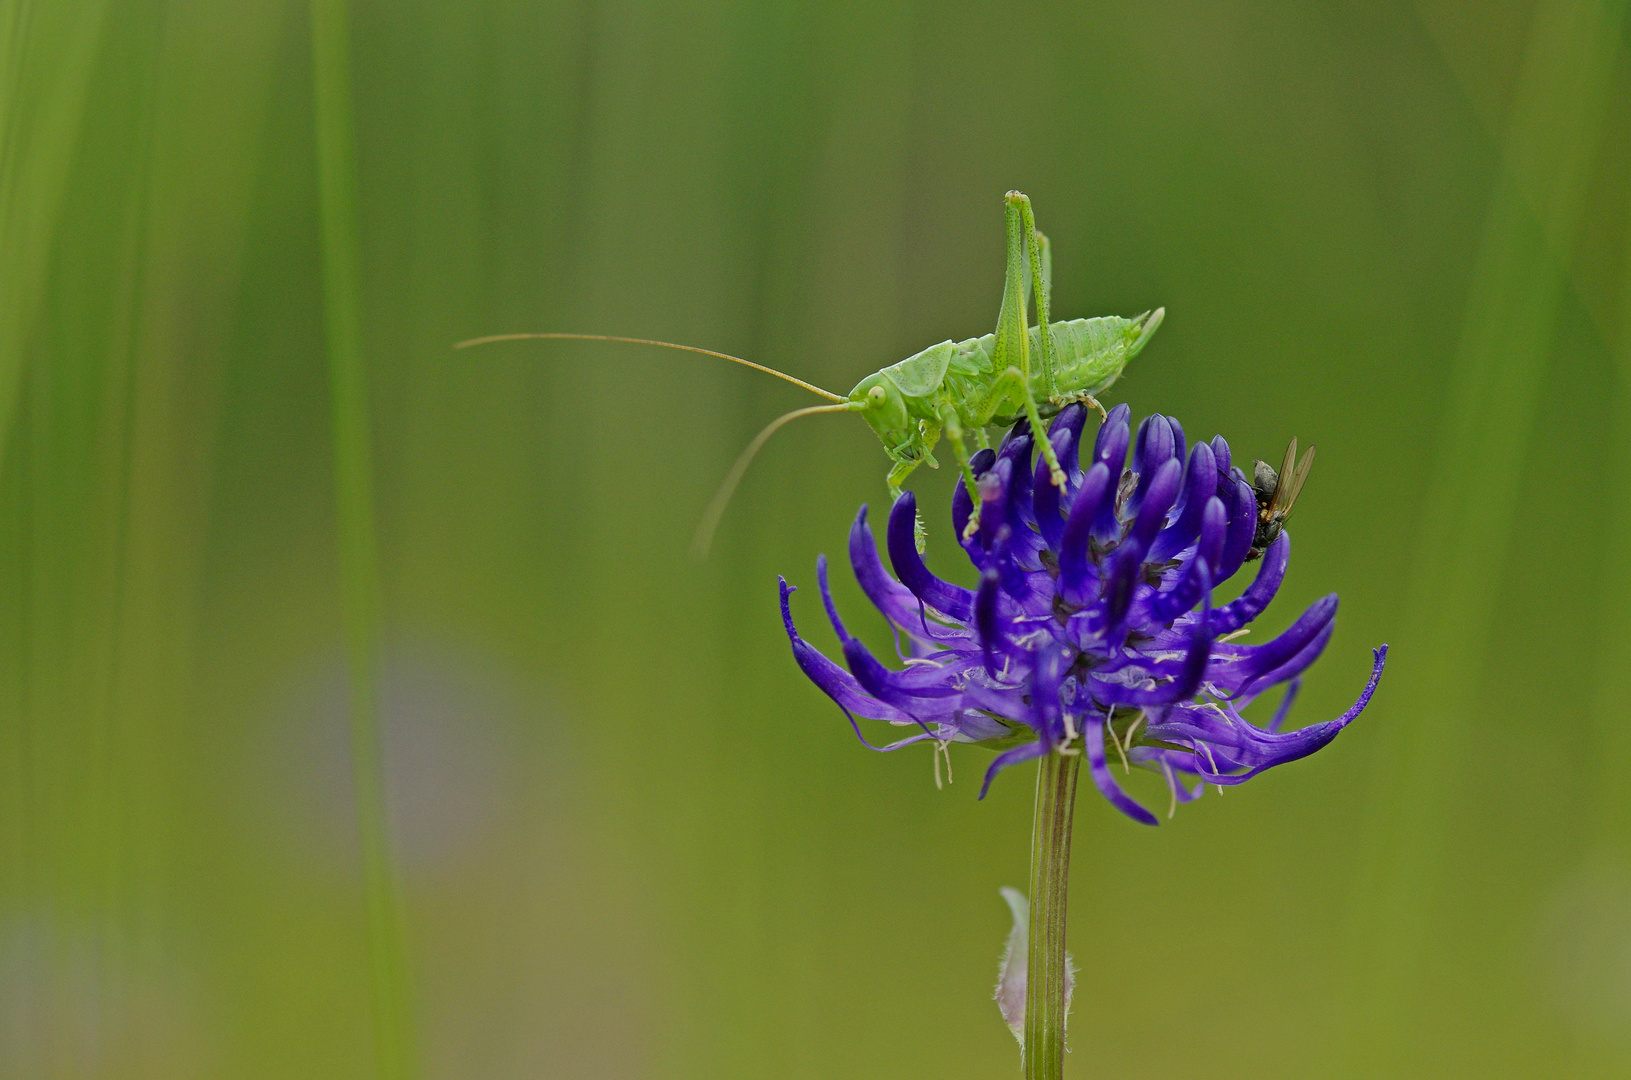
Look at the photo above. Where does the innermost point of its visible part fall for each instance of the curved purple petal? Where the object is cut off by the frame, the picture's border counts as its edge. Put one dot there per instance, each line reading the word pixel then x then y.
pixel 1154 445
pixel 1159 494
pixel 1251 603
pixel 993 636
pixel 1292 668
pixel 962 503
pixel 1099 768
pixel 1179 447
pixel 1200 484
pixel 1120 576
pixel 1273 749
pixel 1075 554
pixel 833 680
pixel 1152 449
pixel 1237 664
pixel 1070 421
pixel 1022 752
pixel 953 601
pixel 1242 503
pixel 827 600
pixel 912 691
pixel 1110 445
pixel 1046 499
pixel 992 487
pixel 1186 591
pixel 889 596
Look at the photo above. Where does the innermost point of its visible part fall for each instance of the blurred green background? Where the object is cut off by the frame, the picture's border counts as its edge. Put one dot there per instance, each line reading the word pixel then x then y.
pixel 631 840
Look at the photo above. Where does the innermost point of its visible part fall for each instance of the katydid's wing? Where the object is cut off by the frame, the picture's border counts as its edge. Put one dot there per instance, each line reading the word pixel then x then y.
pixel 1092 341
pixel 921 375
pixel 973 356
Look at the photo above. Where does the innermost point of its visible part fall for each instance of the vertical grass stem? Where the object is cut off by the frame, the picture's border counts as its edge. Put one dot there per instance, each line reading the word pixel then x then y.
pixel 354 495
pixel 1045 999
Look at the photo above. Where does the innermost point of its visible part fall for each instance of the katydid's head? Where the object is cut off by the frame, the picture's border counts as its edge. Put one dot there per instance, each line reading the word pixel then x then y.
pixel 881 404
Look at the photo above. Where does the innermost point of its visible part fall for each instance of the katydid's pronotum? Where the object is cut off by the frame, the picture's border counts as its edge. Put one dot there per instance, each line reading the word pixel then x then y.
pixel 958 388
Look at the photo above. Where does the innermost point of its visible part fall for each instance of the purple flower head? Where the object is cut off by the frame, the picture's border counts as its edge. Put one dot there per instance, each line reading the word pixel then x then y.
pixel 1093 629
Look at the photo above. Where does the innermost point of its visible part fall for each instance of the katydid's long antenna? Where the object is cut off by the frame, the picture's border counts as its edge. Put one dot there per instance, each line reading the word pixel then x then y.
pixel 704 538
pixel 828 394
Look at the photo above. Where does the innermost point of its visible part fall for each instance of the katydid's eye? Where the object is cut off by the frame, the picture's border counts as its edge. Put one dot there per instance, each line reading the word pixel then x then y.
pixel 875 396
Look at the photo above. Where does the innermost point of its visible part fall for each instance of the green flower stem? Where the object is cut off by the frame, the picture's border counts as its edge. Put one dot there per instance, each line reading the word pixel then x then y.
pixel 1050 882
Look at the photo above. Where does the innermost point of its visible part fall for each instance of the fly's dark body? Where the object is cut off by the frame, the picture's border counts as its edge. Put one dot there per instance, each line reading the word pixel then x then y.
pixel 1276 493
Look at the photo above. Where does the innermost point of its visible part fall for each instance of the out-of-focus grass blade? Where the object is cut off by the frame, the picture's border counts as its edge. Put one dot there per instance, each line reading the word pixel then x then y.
pixel 354 494
pixel 47 57
pixel 1468 513
pixel 1613 821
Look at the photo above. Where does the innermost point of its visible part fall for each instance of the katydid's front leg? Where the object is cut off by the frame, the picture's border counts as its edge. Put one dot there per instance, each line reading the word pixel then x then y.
pixel 897 477
pixel 953 427
pixel 1012 383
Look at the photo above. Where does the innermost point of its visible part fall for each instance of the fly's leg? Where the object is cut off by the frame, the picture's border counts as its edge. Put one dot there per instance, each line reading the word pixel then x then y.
pixel 1041 265
pixel 953 427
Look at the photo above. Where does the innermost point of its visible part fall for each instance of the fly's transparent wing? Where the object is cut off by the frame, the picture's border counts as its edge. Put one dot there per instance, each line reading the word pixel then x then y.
pixel 1285 468
pixel 1291 480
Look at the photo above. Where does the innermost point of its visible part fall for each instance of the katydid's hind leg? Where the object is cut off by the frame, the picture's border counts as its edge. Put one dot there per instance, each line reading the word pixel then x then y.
pixel 953 428
pixel 1012 347
pixel 1041 267
pixel 1046 251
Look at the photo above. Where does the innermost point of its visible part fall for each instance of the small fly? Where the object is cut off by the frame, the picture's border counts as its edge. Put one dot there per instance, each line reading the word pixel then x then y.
pixel 1276 493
